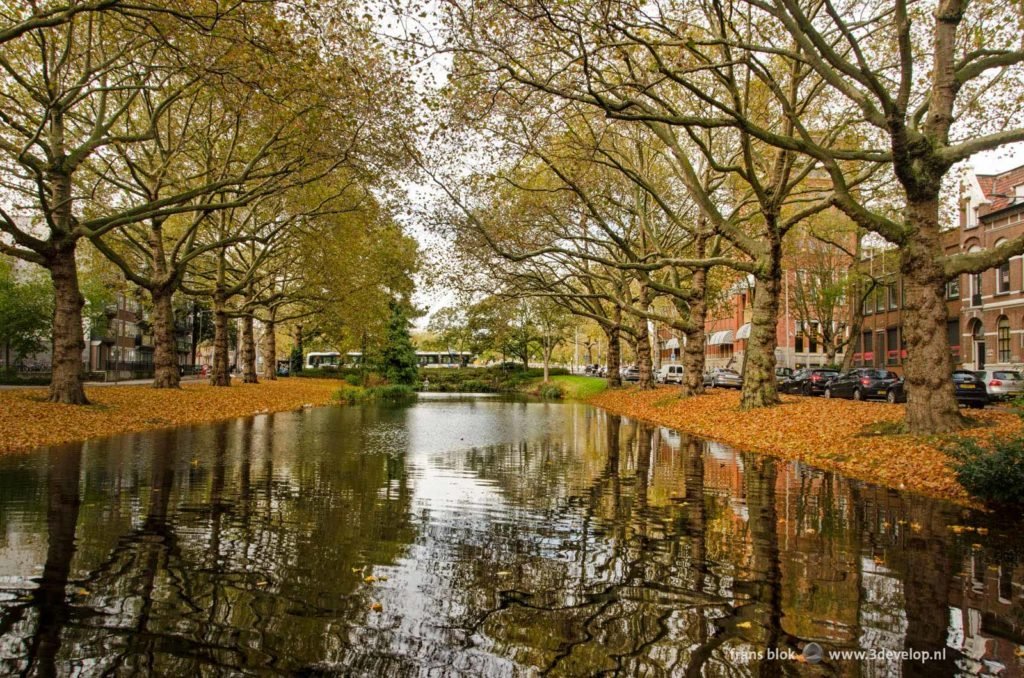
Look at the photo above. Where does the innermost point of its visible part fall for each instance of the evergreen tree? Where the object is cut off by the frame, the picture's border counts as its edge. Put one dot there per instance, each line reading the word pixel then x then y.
pixel 396 359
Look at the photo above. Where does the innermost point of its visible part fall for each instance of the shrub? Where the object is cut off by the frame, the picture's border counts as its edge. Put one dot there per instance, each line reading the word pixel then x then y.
pixel 11 377
pixel 552 391
pixel 354 379
pixel 993 473
pixel 327 373
pixel 391 392
pixel 348 395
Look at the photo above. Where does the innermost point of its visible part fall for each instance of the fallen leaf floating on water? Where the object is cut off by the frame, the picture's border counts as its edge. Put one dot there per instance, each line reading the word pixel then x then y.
pixel 377 607
pixel 829 434
pixel 744 625
pixel 369 579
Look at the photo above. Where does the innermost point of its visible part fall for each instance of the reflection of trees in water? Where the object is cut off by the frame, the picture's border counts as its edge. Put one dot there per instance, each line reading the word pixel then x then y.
pixel 612 551
pixel 220 570
pixel 620 592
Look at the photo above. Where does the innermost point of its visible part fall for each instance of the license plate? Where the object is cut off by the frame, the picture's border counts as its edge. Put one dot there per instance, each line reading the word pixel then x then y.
pixel 970 386
pixel 881 391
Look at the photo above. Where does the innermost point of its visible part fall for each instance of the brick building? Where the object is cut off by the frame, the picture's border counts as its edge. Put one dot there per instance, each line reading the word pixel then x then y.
pixel 992 211
pixel 880 341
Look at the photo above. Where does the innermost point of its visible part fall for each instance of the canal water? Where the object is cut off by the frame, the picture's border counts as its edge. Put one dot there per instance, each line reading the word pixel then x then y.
pixel 485 537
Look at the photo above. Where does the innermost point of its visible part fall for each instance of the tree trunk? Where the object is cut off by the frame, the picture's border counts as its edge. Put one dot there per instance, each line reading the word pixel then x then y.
pixel 614 378
pixel 270 349
pixel 68 342
pixel 165 355
pixel 302 355
pixel 695 309
pixel 931 403
pixel 220 376
pixel 248 351
pixel 643 356
pixel 759 388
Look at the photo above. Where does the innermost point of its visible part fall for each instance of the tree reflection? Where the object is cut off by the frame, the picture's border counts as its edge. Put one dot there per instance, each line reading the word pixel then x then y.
pixel 591 544
pixel 50 597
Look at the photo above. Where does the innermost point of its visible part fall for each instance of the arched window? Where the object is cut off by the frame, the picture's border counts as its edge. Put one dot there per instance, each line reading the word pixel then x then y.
pixel 1003 339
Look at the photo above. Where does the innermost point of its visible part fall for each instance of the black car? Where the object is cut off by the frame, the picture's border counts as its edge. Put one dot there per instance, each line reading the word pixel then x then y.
pixel 968 388
pixel 809 381
pixel 783 375
pixel 865 383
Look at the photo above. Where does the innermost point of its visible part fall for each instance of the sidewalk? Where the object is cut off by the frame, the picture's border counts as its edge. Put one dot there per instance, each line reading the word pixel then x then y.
pixel 93 384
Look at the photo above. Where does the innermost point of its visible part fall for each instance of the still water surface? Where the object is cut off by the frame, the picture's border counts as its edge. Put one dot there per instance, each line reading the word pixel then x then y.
pixel 482 537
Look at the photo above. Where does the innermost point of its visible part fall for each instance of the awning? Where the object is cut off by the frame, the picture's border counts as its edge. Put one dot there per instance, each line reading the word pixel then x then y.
pixel 743 332
pixel 672 343
pixel 723 337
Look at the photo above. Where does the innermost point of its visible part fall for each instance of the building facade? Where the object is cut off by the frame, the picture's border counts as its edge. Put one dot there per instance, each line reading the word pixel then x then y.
pixel 992 212
pixel 121 347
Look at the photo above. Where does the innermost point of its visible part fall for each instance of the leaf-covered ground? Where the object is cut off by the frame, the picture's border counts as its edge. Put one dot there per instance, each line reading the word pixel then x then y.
pixel 27 421
pixel 829 434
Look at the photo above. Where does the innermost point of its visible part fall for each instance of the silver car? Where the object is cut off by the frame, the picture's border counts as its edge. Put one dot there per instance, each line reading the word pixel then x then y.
pixel 721 377
pixel 1002 384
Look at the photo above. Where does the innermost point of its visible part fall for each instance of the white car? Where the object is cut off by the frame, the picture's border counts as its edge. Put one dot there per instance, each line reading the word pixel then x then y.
pixel 670 374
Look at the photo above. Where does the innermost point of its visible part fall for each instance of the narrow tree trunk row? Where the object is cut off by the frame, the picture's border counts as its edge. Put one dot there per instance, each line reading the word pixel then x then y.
pixel 270 349
pixel 759 388
pixel 68 341
pixel 221 375
pixel 248 351
pixel 165 355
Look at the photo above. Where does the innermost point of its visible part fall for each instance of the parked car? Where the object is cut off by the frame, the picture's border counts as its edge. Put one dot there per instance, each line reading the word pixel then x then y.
pixel 969 389
pixel 783 375
pixel 865 383
pixel 631 373
pixel 809 381
pixel 1002 384
pixel 721 377
pixel 670 374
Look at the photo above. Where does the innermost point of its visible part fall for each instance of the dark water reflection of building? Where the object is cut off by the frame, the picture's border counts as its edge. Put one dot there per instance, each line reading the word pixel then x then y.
pixel 515 538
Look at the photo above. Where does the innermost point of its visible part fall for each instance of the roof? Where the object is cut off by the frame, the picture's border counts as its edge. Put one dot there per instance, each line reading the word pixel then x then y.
pixel 999 188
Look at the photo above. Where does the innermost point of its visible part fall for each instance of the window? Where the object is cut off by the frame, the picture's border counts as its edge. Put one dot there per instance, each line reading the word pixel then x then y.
pixel 1003 278
pixel 799 347
pixel 1003 339
pixel 953 288
pixel 953 333
pixel 894 299
pixel 975 289
pixel 892 348
pixel 866 342
pixel 880 299
pixel 814 337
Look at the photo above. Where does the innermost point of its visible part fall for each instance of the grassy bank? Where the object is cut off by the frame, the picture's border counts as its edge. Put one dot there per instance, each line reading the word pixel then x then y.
pixel 831 434
pixel 568 386
pixel 481 379
pixel 28 421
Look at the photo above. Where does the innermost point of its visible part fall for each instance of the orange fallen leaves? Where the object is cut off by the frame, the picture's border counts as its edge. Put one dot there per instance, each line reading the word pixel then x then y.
pixel 828 434
pixel 27 421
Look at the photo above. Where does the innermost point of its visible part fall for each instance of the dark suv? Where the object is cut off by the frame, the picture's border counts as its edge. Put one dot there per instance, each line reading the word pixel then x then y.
pixel 968 389
pixel 865 383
